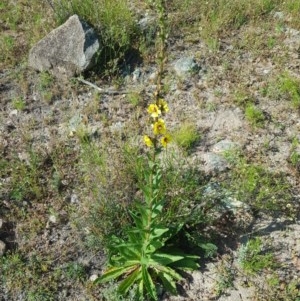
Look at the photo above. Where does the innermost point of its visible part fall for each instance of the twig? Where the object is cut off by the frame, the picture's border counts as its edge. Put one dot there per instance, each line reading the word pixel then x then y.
pixel 102 91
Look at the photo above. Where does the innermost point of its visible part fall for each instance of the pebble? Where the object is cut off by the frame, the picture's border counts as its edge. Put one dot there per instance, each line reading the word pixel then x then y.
pixel 13 113
pixel 53 219
pixel 93 277
pixel 279 15
pixel 2 248
pixel 185 66
pixel 136 74
pixel 223 146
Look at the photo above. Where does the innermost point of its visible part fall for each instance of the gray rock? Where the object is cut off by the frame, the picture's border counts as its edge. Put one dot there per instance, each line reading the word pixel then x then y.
pixel 1 222
pixel 136 74
pixel 147 23
pixel 75 122
pixel 227 121
pixel 185 66
pixel 67 50
pixel 214 163
pixel 224 201
pixel 223 146
pixel 2 248
pixel 279 15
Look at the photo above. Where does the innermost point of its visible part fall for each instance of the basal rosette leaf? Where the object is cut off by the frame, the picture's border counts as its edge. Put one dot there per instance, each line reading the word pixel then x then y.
pixel 148 282
pixel 187 263
pixel 115 272
pixel 135 276
pixel 126 252
pixel 168 271
pixel 168 282
pixel 164 258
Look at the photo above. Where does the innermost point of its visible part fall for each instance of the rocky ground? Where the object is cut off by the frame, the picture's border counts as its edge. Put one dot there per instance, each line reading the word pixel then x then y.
pixel 233 94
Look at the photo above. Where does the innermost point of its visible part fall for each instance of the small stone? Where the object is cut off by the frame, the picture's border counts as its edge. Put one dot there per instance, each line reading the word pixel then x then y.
pixel 214 163
pixel 75 122
pixel 136 74
pixel 2 248
pixel 1 222
pixel 93 277
pixel 24 157
pixel 53 219
pixel 13 113
pixel 235 205
pixel 185 66
pixel 223 146
pixel 279 15
pixel 74 199
pixel 148 25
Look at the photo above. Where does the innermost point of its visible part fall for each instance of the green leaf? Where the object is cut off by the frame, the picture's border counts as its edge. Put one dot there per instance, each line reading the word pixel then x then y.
pixel 144 214
pixel 168 283
pixel 173 230
pixel 158 231
pixel 113 273
pixel 137 220
pixel 129 281
pixel 150 287
pixel 157 209
pixel 169 271
pixel 187 264
pixel 136 237
pixel 129 251
pixel 140 290
pixel 155 245
pixel 165 259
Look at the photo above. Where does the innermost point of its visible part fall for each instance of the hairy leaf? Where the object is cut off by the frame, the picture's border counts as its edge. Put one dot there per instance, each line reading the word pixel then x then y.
pixel 165 259
pixel 113 273
pixel 169 271
pixel 168 283
pixel 149 285
pixel 187 264
pixel 130 280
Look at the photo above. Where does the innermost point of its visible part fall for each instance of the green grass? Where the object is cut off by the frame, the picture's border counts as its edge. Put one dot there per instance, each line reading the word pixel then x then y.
pixel 186 136
pixel 30 20
pixel 254 115
pixel 294 153
pixel 290 87
pixel 263 190
pixel 253 259
pixel 34 286
pixel 18 103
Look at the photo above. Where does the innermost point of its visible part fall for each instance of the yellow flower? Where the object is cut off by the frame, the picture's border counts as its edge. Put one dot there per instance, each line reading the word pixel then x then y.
pixel 154 110
pixel 162 104
pixel 148 141
pixel 165 140
pixel 159 127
